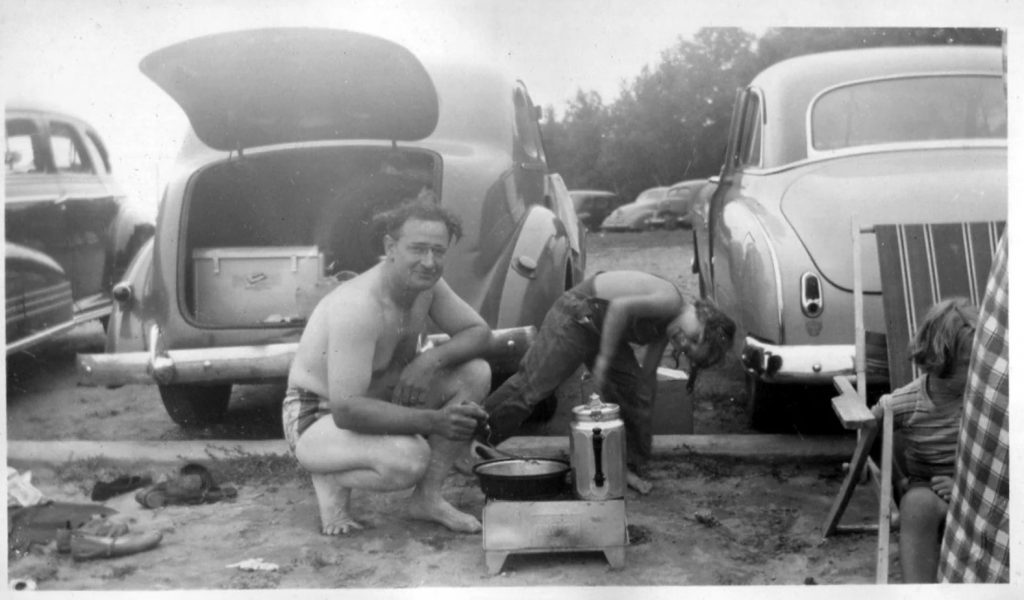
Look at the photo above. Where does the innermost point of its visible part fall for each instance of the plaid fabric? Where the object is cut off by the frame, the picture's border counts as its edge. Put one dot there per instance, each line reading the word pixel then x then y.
pixel 976 544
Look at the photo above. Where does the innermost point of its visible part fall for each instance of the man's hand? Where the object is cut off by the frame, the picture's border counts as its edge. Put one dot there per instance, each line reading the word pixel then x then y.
pixel 459 421
pixel 414 382
pixel 942 485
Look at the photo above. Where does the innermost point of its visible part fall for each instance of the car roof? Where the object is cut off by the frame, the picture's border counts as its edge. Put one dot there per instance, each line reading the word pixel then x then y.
pixel 592 193
pixel 789 86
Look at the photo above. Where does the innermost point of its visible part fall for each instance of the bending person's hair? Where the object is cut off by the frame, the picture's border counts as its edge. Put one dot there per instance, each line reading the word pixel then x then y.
pixel 716 339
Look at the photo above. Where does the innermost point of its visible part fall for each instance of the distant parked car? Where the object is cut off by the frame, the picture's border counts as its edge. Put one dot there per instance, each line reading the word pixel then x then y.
pixel 299 136
pixel 817 143
pixel 593 206
pixel 70 230
pixel 638 214
pixel 674 211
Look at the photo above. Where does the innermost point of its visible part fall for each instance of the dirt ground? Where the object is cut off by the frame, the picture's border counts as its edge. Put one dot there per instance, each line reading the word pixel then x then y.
pixel 709 521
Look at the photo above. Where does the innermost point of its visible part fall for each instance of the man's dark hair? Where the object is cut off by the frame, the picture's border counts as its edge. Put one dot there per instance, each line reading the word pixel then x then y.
pixel 424 207
pixel 717 339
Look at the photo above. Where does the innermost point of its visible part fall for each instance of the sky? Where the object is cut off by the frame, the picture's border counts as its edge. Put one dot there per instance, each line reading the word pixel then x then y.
pixel 83 55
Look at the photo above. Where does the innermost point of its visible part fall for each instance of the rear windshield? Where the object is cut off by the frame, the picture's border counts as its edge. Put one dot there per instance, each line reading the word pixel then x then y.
pixel 911 109
pixel 651 195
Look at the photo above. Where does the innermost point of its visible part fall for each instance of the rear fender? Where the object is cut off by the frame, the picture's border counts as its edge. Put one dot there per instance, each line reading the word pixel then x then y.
pixel 536 271
pixel 126 331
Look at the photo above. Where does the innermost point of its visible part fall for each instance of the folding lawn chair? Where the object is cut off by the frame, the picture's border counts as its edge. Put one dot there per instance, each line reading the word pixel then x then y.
pixel 918 266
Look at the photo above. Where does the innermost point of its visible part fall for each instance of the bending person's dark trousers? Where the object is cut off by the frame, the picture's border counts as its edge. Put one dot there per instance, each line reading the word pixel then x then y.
pixel 567 339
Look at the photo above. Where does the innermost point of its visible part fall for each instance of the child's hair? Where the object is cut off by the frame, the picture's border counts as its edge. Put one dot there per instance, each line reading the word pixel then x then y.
pixel 423 207
pixel 717 338
pixel 945 336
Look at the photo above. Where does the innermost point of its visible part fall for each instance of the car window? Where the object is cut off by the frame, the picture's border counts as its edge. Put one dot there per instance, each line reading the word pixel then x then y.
pixel 19 149
pixel 100 149
pixel 527 128
pixel 681 193
pixel 749 150
pixel 651 195
pixel 69 153
pixel 909 110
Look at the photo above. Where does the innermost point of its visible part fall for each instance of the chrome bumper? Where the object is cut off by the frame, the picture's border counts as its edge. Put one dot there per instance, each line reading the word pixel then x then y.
pixel 250 363
pixel 804 364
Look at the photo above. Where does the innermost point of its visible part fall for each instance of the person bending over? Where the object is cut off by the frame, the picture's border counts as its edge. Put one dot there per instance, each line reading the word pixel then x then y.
pixel 594 324
pixel 926 421
pixel 363 409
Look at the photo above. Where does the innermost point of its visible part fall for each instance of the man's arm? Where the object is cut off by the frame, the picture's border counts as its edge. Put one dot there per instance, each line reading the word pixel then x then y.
pixel 352 339
pixel 469 332
pixel 469 339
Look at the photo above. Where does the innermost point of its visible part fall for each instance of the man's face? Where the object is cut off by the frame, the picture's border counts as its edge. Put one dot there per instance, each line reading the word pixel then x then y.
pixel 419 252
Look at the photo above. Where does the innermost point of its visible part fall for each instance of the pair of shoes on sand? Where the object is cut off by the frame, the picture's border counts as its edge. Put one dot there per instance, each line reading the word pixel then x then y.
pixel 193 485
pixel 104 538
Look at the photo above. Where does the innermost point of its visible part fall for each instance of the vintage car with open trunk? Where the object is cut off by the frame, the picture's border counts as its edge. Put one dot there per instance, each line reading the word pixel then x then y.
pixel 298 137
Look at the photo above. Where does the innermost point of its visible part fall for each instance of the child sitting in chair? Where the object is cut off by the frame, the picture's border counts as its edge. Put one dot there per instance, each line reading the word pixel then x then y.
pixel 926 422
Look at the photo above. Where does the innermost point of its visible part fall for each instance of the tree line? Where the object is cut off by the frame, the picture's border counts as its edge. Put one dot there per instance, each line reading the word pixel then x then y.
pixel 670 124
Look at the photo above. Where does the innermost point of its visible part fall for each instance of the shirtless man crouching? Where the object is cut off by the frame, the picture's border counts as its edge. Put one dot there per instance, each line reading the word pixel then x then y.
pixel 365 411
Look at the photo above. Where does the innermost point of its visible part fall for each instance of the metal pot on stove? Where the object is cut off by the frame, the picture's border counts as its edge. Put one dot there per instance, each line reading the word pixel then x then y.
pixel 597 447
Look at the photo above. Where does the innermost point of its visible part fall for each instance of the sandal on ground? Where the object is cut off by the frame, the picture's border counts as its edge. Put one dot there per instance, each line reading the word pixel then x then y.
pixel 85 546
pixel 193 485
pixel 122 485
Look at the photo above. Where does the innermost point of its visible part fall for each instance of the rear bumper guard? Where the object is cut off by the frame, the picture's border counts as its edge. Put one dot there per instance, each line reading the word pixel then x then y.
pixel 808 364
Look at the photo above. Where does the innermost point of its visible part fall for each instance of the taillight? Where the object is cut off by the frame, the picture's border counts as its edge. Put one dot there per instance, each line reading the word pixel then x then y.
pixel 812 302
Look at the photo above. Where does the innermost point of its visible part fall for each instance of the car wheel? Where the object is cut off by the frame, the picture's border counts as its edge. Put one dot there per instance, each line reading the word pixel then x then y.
pixel 192 405
pixel 765 407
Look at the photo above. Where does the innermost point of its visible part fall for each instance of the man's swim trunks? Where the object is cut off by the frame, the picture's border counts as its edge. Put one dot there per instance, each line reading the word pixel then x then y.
pixel 300 409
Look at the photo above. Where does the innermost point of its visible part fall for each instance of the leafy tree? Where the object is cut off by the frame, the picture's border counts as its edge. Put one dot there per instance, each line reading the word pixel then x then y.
pixel 671 122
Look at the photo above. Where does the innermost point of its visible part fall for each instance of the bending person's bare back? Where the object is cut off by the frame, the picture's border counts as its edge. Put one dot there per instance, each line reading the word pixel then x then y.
pixel 363 409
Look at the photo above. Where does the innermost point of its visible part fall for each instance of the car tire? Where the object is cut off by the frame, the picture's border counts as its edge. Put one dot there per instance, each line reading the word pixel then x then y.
pixel 766 408
pixel 192 405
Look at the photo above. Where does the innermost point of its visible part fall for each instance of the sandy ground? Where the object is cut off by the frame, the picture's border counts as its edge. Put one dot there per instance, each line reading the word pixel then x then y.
pixel 710 521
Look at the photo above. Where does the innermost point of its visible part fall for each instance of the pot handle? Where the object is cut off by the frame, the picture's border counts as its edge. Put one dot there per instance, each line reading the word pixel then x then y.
pixel 598 444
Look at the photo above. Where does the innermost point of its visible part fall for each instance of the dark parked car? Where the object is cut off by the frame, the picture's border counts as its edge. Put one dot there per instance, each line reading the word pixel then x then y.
pixel 638 214
pixel 299 136
pixel 593 206
pixel 818 144
pixel 70 231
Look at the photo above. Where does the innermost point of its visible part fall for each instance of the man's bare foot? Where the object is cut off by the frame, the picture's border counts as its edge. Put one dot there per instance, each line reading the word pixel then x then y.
pixel 442 512
pixel 638 483
pixel 334 501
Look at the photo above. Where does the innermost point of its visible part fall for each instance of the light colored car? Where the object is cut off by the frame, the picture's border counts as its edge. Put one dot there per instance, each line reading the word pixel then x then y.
pixel 70 230
pixel 299 136
pixel 593 206
pixel 637 215
pixel 675 210
pixel 818 143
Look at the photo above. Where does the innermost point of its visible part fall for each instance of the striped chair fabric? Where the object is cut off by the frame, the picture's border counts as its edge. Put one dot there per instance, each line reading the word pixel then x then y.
pixel 920 265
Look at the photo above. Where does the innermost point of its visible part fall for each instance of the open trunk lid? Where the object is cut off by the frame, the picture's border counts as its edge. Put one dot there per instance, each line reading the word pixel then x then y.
pixel 270 86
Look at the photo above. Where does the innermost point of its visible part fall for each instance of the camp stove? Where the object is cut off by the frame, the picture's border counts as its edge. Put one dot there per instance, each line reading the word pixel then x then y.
pixel 589 517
